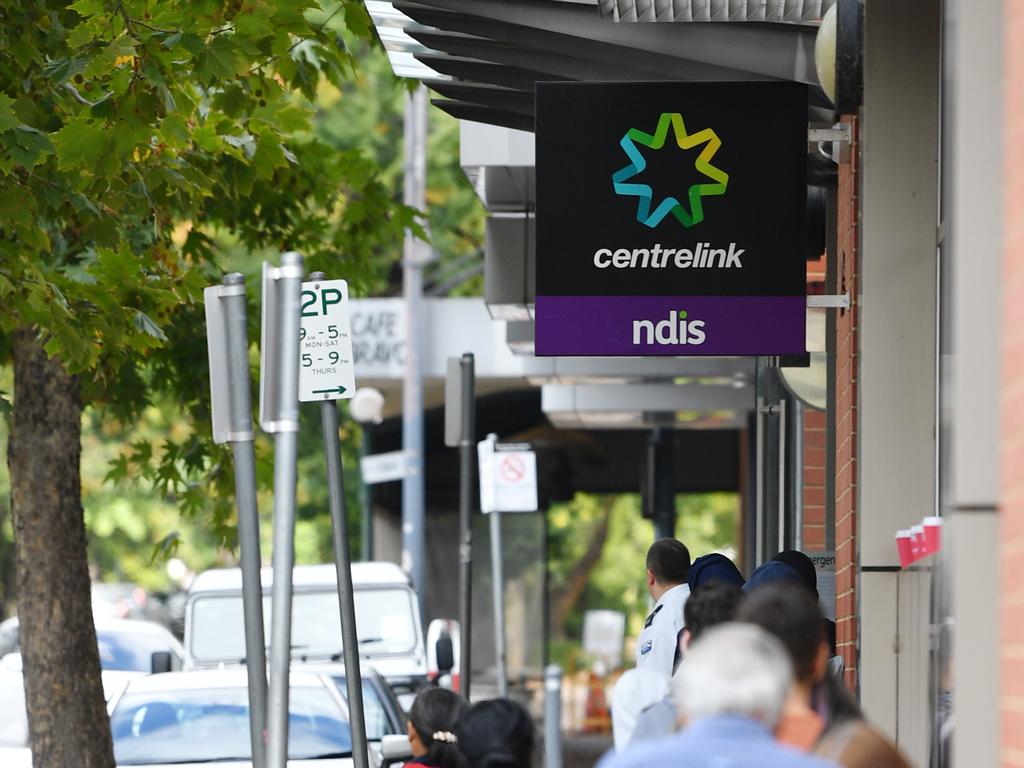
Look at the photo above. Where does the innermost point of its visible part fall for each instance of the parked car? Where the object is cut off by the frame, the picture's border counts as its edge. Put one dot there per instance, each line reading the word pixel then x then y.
pixel 382 710
pixel 197 718
pixel 125 645
pixel 387 620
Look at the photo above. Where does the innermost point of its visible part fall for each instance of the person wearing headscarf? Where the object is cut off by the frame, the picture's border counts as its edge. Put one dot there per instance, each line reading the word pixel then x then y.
pixel 771 572
pixel 804 566
pixel 714 567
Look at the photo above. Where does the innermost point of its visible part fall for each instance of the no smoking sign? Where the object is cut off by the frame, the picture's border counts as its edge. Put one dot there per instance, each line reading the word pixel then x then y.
pixel 508 477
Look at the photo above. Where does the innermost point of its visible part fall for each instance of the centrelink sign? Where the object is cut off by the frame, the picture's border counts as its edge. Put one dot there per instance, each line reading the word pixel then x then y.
pixel 670 218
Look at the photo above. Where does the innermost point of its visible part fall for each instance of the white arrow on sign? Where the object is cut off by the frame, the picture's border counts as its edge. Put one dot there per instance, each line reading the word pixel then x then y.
pixel 326 371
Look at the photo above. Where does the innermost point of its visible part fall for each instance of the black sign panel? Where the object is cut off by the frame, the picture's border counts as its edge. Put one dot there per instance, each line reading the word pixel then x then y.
pixel 660 198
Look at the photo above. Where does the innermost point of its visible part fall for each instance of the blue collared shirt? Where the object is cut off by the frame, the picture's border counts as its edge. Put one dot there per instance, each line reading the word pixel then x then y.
pixel 725 741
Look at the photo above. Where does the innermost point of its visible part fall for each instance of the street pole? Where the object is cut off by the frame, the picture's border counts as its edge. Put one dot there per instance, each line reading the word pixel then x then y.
pixel 413 491
pixel 467 458
pixel 552 716
pixel 288 286
pixel 366 494
pixel 498 579
pixel 241 438
pixel 343 567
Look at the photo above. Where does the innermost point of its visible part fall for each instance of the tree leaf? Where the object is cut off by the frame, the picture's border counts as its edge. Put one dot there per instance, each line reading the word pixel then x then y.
pixel 145 324
pixel 218 61
pixel 8 119
pixel 78 144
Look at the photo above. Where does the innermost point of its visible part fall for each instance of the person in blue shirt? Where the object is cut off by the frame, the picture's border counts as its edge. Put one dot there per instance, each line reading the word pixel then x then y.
pixel 730 693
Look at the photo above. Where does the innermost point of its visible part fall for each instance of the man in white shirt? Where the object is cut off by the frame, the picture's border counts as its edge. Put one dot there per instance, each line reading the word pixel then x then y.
pixel 668 565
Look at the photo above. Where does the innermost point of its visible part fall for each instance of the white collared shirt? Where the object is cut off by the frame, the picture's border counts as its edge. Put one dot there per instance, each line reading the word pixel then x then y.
pixel 656 647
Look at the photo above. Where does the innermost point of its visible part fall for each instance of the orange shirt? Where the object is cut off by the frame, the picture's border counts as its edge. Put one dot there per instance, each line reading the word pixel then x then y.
pixel 800 727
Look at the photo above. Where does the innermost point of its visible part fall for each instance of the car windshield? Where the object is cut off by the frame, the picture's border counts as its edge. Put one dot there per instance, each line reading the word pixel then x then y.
pixel 375 712
pixel 129 651
pixel 384 623
pixel 212 725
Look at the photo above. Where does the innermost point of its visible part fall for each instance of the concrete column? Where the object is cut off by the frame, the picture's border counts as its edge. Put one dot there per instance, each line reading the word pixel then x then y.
pixel 897 398
pixel 975 75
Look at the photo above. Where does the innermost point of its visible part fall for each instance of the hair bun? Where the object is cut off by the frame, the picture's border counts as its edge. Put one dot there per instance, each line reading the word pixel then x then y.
pixel 446 736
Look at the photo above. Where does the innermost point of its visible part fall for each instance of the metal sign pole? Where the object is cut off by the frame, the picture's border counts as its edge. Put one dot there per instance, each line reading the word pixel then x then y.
pixel 343 566
pixel 287 285
pixel 499 604
pixel 467 451
pixel 241 438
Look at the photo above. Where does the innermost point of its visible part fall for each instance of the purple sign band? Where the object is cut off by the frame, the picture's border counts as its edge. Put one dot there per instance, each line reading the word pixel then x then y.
pixel 677 326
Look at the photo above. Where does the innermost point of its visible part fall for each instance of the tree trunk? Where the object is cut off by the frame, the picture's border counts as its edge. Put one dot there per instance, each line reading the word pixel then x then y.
pixel 565 597
pixel 68 723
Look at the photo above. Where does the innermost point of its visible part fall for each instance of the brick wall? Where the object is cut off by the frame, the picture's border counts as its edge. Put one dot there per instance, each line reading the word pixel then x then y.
pixel 1012 498
pixel 814 480
pixel 846 419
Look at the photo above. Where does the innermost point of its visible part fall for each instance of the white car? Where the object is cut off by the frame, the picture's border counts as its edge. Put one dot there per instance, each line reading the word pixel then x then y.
pixel 387 619
pixel 125 645
pixel 201 718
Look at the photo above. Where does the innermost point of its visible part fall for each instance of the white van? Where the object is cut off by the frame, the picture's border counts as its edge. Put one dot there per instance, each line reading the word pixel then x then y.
pixel 387 620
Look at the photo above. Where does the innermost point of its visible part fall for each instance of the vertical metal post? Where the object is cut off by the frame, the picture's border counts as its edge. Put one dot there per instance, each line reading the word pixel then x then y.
pixel 237 345
pixel 343 568
pixel 346 598
pixel 759 464
pixel 498 578
pixel 467 460
pixel 413 491
pixel 288 288
pixel 660 455
pixel 798 475
pixel 366 496
pixel 782 473
pixel 552 716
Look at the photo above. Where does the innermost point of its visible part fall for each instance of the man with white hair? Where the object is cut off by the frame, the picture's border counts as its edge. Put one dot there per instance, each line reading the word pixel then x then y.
pixel 730 693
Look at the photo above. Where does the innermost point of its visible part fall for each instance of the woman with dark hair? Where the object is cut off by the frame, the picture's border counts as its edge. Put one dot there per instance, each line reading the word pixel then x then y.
pixel 496 734
pixel 432 725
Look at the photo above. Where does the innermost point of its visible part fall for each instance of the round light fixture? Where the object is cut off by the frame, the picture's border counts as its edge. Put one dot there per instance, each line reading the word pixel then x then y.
pixel 367 406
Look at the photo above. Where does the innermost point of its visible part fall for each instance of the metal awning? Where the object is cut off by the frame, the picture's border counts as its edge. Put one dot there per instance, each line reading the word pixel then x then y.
pixel 777 11
pixel 495 51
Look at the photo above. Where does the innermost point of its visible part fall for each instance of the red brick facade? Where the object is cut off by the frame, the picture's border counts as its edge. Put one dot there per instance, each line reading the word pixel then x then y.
pixel 814 480
pixel 1012 406
pixel 846 418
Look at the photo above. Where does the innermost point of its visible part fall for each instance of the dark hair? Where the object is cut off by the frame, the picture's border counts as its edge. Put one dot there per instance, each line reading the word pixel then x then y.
pixel 496 734
pixel 714 603
pixel 669 561
pixel 789 612
pixel 435 711
pixel 803 565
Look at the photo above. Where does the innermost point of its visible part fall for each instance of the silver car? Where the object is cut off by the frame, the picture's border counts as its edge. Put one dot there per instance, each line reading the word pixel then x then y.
pixel 200 718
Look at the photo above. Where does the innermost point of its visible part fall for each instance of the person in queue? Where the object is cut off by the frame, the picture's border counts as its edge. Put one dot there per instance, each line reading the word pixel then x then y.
pixel 804 567
pixel 731 692
pixel 710 604
pixel 713 567
pixel 496 734
pixel 668 568
pixel 433 719
pixel 788 612
pixel 657 649
pixel 849 739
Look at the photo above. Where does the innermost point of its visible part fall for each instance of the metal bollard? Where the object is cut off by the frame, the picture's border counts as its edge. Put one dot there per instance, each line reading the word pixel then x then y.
pixel 552 716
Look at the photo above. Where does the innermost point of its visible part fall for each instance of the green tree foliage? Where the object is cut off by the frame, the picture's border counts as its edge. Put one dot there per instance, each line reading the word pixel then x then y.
pixel 368 112
pixel 132 133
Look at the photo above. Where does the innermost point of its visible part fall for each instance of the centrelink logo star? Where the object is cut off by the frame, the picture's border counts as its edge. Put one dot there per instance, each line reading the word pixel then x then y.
pixel 643 192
